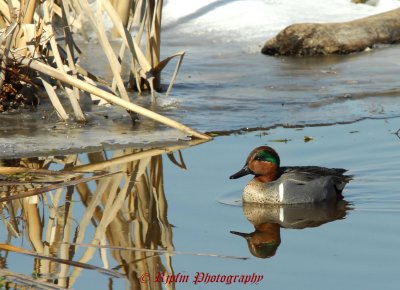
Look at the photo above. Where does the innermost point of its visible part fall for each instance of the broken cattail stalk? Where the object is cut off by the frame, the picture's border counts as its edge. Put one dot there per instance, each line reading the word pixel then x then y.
pixel 63 77
pixel 115 66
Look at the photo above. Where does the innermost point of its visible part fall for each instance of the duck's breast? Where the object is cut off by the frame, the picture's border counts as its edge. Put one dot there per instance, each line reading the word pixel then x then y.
pixel 259 192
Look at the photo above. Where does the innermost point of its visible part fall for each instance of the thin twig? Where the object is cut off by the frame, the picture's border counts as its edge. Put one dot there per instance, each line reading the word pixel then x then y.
pixel 44 189
pixel 162 251
pixel 4 61
pixel 26 280
pixel 61 261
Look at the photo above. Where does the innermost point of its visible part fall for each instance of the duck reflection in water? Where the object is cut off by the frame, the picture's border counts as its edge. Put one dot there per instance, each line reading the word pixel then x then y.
pixel 268 219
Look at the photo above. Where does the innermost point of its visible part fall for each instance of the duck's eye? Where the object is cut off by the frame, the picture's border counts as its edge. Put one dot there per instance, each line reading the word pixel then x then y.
pixel 265 156
pixel 259 158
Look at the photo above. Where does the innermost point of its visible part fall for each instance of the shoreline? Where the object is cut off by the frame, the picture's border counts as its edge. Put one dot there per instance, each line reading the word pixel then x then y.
pixel 151 140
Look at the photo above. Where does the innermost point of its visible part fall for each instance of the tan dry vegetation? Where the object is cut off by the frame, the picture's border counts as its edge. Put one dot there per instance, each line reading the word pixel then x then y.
pixel 124 214
pixel 110 207
pixel 38 52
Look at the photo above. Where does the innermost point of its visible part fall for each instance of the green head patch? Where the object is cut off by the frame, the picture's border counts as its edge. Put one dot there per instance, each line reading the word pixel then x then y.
pixel 267 156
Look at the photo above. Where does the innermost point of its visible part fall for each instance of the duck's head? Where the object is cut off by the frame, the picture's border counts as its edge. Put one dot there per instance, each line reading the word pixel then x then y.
pixel 263 162
pixel 264 241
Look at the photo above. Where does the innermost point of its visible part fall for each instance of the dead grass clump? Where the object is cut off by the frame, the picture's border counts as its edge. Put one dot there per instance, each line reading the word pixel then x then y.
pixel 18 91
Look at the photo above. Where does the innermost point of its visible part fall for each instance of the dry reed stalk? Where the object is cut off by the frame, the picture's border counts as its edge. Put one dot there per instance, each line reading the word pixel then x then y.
pixel 36 191
pixel 72 263
pixel 84 192
pixel 157 179
pixel 180 163
pixel 8 35
pixel 113 204
pixel 91 208
pixel 26 282
pixel 153 35
pixel 178 65
pixel 140 17
pixel 98 27
pixel 73 97
pixel 11 230
pixel 69 45
pixel 102 165
pixel 51 225
pixel 120 58
pixel 138 183
pixel 55 101
pixel 41 67
pixel 26 11
pixel 65 252
pixel 13 209
pixel 148 227
pixel 67 234
pixel 144 68
pixel 50 247
pixel 36 175
pixel 123 8
pixel 148 65
pixel 29 6
pixel 54 245
pixel 11 224
pixel 135 235
pixel 34 226
pixel 5 11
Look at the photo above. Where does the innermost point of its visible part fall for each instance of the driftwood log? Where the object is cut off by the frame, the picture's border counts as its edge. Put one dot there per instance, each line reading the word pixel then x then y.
pixel 336 38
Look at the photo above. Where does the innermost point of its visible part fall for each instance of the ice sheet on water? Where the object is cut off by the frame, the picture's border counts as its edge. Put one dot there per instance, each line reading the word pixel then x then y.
pixel 226 83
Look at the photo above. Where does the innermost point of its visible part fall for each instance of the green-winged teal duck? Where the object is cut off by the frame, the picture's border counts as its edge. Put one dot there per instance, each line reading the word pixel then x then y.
pixel 291 184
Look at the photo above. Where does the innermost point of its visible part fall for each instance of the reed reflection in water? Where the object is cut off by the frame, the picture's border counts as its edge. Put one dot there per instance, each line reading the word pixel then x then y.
pixel 77 209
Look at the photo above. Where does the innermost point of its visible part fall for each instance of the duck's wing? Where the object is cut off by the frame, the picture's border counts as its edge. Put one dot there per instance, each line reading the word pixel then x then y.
pixel 304 174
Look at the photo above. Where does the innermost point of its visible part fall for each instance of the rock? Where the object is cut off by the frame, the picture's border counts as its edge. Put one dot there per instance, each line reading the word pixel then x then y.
pixel 368 2
pixel 336 38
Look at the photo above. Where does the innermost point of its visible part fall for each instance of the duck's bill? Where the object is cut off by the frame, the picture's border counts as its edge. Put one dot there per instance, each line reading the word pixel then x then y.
pixel 242 172
pixel 244 235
